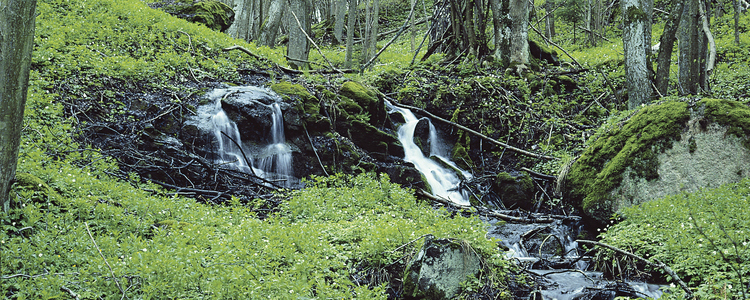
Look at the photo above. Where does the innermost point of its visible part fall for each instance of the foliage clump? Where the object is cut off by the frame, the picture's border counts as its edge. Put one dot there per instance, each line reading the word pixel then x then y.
pixel 702 236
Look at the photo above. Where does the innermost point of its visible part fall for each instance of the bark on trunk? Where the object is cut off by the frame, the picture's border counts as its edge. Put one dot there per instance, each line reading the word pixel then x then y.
pixel 666 44
pixel 271 27
pixel 350 32
pixel 511 22
pixel 635 47
pixel 338 27
pixel 16 42
pixel 298 47
pixel 550 19
pixel 692 46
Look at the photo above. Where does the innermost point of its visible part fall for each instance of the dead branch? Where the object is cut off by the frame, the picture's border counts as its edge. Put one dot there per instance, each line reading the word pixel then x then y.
pixel 459 126
pixel 658 264
pixel 105 260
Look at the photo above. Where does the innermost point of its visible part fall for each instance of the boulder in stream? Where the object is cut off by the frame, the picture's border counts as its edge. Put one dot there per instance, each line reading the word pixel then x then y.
pixel 663 149
pixel 438 269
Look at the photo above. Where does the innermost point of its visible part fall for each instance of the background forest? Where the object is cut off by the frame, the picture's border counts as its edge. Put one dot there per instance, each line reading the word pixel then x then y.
pixel 92 216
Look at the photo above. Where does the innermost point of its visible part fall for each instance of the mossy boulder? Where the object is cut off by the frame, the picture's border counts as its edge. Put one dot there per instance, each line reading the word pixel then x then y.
pixel 436 272
pixel 374 140
pixel 541 52
pixel 366 99
pixel 663 149
pixel 214 14
pixel 515 190
pixel 307 110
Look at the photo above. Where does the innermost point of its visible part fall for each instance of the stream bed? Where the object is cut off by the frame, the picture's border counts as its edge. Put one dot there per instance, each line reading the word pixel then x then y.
pixel 549 254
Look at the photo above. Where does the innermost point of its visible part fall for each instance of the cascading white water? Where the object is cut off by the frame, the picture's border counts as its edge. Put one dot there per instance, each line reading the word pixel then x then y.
pixel 443 181
pixel 272 161
pixel 277 156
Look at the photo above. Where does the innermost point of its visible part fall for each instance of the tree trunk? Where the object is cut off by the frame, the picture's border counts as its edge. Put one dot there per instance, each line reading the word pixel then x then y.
pixel 550 19
pixel 298 47
pixel 338 27
pixel 352 17
pixel 511 21
pixel 413 37
pixel 635 45
pixel 369 48
pixel 666 44
pixel 692 45
pixel 17 19
pixel 271 27
pixel 737 10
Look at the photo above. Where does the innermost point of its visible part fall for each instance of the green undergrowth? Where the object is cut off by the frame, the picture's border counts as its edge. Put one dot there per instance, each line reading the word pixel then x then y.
pixel 702 236
pixel 94 40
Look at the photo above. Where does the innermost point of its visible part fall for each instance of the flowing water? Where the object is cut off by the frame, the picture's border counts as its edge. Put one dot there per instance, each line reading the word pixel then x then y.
pixel 272 161
pixel 442 174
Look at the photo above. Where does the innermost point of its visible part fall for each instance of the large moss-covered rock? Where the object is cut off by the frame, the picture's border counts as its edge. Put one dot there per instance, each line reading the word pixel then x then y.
pixel 214 14
pixel 437 271
pixel 663 149
pixel 367 99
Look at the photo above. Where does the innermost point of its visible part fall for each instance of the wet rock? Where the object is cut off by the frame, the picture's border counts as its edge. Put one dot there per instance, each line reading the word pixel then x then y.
pixel 422 136
pixel 515 190
pixel 254 118
pixel 438 269
pixel 663 150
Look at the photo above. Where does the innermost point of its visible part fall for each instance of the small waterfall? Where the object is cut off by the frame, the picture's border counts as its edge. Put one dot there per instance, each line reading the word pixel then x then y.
pixel 444 181
pixel 277 156
pixel 272 161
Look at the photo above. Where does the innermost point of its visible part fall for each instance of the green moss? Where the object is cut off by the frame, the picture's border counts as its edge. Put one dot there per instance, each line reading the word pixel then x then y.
pixel 367 99
pixel 733 114
pixel 41 189
pixel 515 191
pixel 213 14
pixel 290 89
pixel 599 169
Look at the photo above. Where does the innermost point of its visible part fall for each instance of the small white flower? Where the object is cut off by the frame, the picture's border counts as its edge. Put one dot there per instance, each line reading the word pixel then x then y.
pixel 40 255
pixel 144 250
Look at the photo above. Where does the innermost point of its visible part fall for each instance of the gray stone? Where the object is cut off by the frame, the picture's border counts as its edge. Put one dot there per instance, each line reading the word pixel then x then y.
pixel 437 271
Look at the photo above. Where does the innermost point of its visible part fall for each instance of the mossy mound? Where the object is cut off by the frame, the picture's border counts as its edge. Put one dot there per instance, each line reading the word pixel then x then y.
pixel 366 99
pixel 663 149
pixel 515 190
pixel 42 192
pixel 214 14
pixel 307 105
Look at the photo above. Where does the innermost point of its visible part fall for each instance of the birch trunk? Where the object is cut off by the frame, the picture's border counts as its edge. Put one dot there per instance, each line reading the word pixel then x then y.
pixel 634 45
pixel 17 19
pixel 271 27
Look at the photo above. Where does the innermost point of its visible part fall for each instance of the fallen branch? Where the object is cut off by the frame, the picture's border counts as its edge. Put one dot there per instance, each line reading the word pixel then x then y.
pixel 658 264
pixel 117 282
pixel 70 292
pixel 459 126
pixel 400 31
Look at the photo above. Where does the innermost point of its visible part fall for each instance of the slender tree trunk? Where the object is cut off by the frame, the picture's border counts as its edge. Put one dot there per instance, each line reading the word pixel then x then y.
pixel 737 10
pixel 666 44
pixel 692 46
pixel 413 37
pixel 271 27
pixel 298 47
pixel 371 30
pixel 338 27
pixel 550 19
pixel 17 19
pixel 634 45
pixel 352 17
